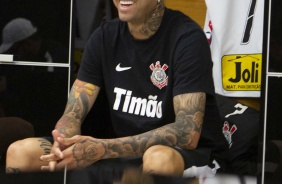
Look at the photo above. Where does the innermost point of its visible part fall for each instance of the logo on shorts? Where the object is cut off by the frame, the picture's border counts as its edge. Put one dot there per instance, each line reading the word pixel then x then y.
pixel 159 77
pixel 228 132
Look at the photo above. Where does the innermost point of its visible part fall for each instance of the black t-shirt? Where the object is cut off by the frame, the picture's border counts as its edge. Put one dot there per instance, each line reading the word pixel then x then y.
pixel 141 77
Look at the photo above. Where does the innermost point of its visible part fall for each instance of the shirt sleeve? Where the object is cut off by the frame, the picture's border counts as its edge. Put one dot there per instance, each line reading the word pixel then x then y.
pixel 91 68
pixel 193 65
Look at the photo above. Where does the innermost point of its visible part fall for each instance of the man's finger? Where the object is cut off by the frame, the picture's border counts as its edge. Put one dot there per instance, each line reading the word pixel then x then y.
pixel 56 134
pixel 57 152
pixel 67 141
pixel 45 168
pixel 48 158
pixel 52 165
pixel 61 165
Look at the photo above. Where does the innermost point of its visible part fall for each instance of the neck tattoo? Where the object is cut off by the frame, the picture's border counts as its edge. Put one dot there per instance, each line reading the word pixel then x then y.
pixel 153 21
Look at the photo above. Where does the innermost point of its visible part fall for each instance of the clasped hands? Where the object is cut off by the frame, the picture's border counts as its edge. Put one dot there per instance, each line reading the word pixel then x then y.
pixel 71 152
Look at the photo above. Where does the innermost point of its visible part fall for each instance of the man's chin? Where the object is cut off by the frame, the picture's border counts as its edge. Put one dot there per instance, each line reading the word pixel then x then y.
pixel 123 19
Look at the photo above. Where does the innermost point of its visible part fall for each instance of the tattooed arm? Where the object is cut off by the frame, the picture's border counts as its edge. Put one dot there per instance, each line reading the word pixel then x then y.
pixel 81 99
pixel 184 133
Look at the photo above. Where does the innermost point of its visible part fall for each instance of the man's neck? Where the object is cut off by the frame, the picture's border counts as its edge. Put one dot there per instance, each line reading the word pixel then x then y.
pixel 150 26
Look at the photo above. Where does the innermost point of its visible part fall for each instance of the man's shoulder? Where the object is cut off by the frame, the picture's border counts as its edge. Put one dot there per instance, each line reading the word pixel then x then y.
pixel 177 19
pixel 177 15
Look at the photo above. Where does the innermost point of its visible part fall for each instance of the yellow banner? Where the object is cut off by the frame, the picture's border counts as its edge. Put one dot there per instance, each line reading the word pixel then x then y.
pixel 241 72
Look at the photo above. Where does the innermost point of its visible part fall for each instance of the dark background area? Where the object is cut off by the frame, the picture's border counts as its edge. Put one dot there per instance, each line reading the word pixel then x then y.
pixel 51 17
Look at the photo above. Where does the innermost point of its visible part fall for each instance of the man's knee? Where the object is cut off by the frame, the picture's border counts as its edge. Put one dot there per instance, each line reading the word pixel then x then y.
pixel 163 160
pixel 24 154
pixel 20 150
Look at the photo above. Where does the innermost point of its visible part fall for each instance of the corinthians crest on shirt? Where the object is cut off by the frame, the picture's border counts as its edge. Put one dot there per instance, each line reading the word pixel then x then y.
pixel 159 77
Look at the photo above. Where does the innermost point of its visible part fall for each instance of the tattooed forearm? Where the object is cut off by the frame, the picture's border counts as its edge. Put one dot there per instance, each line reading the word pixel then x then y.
pixel 190 108
pixel 184 132
pixel 68 125
pixel 78 105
